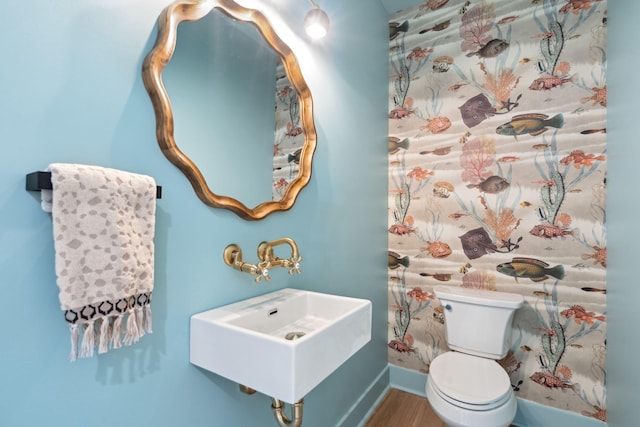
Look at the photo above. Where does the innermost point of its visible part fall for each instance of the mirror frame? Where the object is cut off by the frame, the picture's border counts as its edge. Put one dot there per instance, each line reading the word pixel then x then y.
pixel 159 57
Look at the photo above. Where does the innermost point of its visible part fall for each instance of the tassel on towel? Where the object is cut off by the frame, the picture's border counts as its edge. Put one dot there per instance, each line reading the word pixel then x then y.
pixel 103 229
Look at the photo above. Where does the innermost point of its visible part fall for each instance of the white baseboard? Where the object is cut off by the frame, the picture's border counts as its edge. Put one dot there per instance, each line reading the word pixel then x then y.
pixel 360 412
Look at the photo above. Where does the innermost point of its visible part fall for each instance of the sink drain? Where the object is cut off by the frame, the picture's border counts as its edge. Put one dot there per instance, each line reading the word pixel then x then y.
pixel 294 335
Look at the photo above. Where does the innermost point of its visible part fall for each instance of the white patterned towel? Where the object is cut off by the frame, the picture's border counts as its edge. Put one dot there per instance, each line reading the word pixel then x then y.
pixel 103 228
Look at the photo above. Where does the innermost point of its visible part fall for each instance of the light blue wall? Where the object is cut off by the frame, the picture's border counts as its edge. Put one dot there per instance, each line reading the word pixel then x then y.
pixel 623 283
pixel 71 91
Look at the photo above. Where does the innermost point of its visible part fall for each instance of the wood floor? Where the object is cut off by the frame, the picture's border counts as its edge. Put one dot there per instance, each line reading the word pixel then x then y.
pixel 402 409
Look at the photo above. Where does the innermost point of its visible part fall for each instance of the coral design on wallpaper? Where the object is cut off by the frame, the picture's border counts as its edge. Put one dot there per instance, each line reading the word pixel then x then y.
pixel 497 180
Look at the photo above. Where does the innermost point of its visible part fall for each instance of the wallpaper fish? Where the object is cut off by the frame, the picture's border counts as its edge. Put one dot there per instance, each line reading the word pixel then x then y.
pixel 497 180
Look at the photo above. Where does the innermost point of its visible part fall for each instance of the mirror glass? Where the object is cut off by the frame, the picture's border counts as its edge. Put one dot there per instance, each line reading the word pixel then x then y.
pixel 232 109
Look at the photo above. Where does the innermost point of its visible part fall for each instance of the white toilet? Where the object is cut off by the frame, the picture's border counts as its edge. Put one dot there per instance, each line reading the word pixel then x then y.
pixel 466 387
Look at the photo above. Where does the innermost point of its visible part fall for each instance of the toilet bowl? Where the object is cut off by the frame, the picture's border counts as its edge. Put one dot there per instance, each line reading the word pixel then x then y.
pixel 470 391
pixel 466 387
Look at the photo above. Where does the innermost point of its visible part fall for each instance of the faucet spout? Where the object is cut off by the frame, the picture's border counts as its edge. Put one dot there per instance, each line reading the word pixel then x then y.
pixel 268 247
pixel 265 254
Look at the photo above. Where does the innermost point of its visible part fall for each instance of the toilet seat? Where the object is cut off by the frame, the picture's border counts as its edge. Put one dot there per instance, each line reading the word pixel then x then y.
pixel 469 382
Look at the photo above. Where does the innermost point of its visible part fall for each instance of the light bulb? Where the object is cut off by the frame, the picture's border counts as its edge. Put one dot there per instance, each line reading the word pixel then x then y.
pixel 316 23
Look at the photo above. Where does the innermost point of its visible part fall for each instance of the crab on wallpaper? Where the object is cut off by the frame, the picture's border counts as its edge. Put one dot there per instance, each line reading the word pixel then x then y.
pixel 497 179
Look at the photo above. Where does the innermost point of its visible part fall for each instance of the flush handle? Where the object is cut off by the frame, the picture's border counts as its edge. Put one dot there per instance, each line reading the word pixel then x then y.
pixel 447 307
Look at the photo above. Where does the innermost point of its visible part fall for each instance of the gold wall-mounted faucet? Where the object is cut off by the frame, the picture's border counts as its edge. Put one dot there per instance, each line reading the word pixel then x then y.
pixel 232 256
pixel 265 253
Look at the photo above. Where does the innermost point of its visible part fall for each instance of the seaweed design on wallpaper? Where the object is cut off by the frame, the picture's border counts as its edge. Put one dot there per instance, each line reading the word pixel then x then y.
pixel 288 97
pixel 435 123
pixel 511 363
pixel 431 235
pixel 289 138
pixel 406 185
pixel 597 242
pixel 597 87
pixel 555 340
pixel 497 222
pixel 499 83
pixel 556 184
pixel 407 305
pixel 554 33
pixel 406 67
pixel 597 397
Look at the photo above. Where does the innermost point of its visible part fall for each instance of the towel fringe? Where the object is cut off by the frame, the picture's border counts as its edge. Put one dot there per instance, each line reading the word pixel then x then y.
pixel 88 340
pixel 132 334
pixel 106 332
pixel 140 321
pixel 116 331
pixel 105 335
pixel 148 319
pixel 73 355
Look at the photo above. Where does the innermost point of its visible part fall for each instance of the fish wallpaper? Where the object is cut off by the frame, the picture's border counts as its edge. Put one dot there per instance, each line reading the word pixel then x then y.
pixel 497 180
pixel 289 137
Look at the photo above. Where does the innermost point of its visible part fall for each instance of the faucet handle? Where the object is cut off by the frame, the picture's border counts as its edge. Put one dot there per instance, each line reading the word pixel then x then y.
pixel 263 271
pixel 294 263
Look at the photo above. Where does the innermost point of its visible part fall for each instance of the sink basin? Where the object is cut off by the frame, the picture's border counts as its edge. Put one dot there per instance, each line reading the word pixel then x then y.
pixel 283 343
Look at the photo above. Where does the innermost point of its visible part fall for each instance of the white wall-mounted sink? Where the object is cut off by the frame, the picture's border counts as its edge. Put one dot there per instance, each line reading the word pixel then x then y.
pixel 247 342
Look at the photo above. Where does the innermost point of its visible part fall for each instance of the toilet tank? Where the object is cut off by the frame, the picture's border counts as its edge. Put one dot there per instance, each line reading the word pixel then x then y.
pixel 478 322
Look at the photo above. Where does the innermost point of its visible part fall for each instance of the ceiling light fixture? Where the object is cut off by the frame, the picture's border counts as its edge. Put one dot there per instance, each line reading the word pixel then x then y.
pixel 316 22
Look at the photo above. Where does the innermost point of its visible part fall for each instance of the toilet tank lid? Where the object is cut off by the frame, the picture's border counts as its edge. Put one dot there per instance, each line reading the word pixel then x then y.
pixel 478 296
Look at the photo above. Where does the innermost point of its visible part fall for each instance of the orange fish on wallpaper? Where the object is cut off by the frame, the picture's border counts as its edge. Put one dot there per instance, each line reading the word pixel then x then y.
pixel 442 277
pixel 443 151
pixel 457 215
pixel 400 229
pixel 549 81
pixel 507 20
pixel 547 379
pixel 580 315
pixel 579 159
pixel 400 346
pixel 550 231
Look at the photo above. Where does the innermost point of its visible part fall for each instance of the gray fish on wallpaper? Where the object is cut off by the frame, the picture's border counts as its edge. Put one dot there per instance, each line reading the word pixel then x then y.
pixel 492 49
pixel 295 157
pixel 396 28
pixel 493 185
pixel 476 243
pixel 395 144
pixel 438 27
pixel 395 260
pixel 476 110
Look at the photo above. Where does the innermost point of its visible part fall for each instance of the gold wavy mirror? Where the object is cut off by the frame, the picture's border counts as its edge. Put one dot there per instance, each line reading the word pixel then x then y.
pixel 152 72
